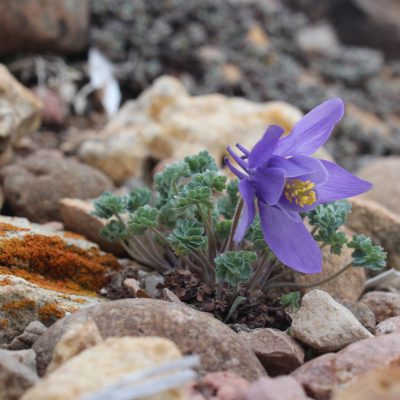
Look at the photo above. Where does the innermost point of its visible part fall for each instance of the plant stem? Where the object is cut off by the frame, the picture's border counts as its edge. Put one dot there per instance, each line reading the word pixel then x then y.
pixel 210 234
pixel 235 223
pixel 259 268
pixel 204 262
pixel 310 285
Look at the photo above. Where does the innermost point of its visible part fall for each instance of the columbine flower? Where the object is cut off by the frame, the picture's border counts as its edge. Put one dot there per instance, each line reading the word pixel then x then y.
pixel 280 174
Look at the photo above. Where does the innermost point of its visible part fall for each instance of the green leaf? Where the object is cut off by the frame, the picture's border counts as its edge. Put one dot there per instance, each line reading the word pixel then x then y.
pixel 108 205
pixel 201 162
pixel 197 196
pixel 227 204
pixel 211 179
pixel 138 198
pixel 114 230
pixel 367 255
pixel 291 300
pixel 142 219
pixel 187 237
pixel 234 267
pixel 167 181
pixel 222 229
pixel 255 235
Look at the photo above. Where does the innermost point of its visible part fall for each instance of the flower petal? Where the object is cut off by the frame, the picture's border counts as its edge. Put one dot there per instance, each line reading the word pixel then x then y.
pixel 290 241
pixel 264 148
pixel 313 130
pixel 238 173
pixel 249 210
pixel 269 184
pixel 341 184
pixel 304 167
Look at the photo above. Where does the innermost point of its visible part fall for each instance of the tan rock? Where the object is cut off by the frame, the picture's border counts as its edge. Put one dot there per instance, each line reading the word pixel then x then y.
pixel 278 352
pixel 194 332
pixel 322 375
pixel 77 217
pixel 101 365
pixel 382 384
pixel 378 222
pixel 347 286
pixel 77 339
pixel 384 304
pixel 43 25
pixel 384 174
pixel 362 312
pixel 390 325
pixel 324 324
pixel 22 302
pixel 165 117
pixel 19 112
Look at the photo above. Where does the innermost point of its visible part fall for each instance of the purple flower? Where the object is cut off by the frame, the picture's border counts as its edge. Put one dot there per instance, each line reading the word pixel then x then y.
pixel 280 175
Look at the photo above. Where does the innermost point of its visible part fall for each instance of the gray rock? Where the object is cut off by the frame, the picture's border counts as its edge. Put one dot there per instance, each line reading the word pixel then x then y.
pixel 390 325
pixel 324 324
pixel 219 347
pixel 28 336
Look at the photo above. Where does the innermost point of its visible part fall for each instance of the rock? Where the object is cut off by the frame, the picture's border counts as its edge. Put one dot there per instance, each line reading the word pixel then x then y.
pixel 390 325
pixel 19 112
pixel 219 347
pixel 77 217
pixel 384 304
pixel 53 260
pixel 30 334
pixel 317 39
pixel 378 222
pixel 165 119
pixel 278 352
pixel 384 191
pixel 78 338
pixel 43 25
pixel 324 324
pixel 15 376
pixel 362 312
pixel 322 375
pixel 219 385
pixel 34 186
pixel 382 384
pixel 104 364
pixel 347 286
pixel 22 302
pixel 283 387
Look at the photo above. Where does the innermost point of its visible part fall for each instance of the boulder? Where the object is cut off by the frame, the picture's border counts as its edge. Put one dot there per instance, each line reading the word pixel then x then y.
pixel 384 304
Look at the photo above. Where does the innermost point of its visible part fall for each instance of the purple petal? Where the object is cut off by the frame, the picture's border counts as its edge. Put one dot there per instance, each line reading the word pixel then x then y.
pixel 264 148
pixel 243 150
pixel 290 241
pixel 247 192
pixel 341 184
pixel 243 164
pixel 305 167
pixel 313 130
pixel 239 174
pixel 269 183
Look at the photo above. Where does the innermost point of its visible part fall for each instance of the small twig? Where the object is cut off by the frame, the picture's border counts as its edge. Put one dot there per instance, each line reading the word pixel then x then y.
pixel 235 223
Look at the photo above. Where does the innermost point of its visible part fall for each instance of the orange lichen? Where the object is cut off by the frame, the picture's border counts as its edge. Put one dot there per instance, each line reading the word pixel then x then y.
pixel 12 307
pixel 53 258
pixel 50 313
pixel 5 282
pixel 73 235
pixel 4 323
pixel 4 228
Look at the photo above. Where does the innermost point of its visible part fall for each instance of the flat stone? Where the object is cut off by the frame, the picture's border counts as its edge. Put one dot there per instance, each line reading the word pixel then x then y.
pixel 104 364
pixel 278 352
pixel 377 221
pixel 78 337
pixel 15 376
pixel 194 332
pixel 384 304
pixel 324 324
pixel 390 325
pixel 33 186
pixel 22 302
pixel 324 374
pixel 43 25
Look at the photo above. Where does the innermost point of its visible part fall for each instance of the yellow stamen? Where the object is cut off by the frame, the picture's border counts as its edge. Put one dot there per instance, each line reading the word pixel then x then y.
pixel 300 192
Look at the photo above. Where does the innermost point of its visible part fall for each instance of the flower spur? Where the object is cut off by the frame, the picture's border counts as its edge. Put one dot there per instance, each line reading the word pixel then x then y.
pixel 281 176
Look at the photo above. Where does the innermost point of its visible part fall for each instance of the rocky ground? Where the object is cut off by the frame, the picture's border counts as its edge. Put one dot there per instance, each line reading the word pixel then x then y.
pixel 69 300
